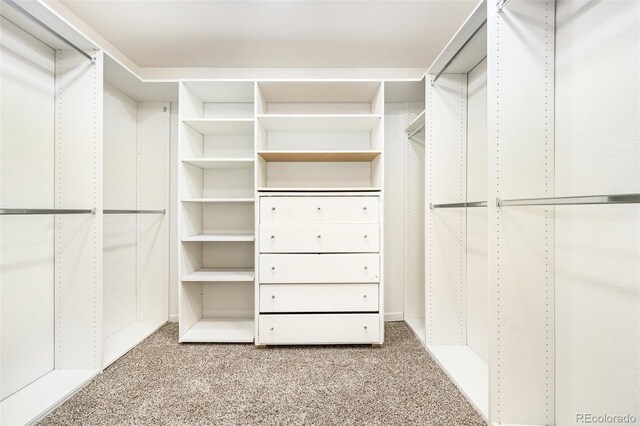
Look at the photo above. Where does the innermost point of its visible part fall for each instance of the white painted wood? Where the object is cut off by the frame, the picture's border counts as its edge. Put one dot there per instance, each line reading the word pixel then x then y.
pixel 220 275
pixel 418 327
pixel 227 331
pixel 318 298
pixel 319 122
pixel 220 163
pixel 520 91
pixel 335 92
pixel 219 238
pixel 316 329
pixel 370 189
pixel 221 126
pixel 36 400
pixel 597 275
pixel 218 200
pixel 319 210
pixel 476 241
pixel 304 176
pixel 314 268
pixel 467 370
pixel 319 238
pixel 126 339
pixel 26 242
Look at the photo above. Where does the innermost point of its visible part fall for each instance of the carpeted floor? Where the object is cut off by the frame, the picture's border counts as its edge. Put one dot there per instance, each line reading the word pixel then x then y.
pixel 162 382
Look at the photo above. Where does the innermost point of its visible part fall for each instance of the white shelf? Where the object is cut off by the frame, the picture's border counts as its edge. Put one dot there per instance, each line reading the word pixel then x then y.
pixel 218 200
pixel 416 123
pixel 221 126
pixel 467 370
pixel 220 331
pixel 221 275
pixel 220 237
pixel 323 189
pixel 220 163
pixel 118 344
pixel 34 401
pixel 320 122
pixel 419 328
pixel 320 156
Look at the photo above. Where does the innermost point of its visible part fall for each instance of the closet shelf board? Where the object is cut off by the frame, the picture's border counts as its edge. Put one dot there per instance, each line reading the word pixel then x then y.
pixel 320 122
pixel 320 189
pixel 218 200
pixel 221 126
pixel 220 163
pixel 220 331
pixel 220 237
pixel 221 275
pixel 319 156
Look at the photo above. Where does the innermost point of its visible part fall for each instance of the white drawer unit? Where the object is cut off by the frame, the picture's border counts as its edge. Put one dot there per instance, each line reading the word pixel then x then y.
pixel 319 268
pixel 319 298
pixel 319 238
pixel 315 329
pixel 319 210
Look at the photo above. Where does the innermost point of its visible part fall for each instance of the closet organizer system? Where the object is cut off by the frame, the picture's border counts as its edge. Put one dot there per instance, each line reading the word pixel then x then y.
pixel 280 218
pixel 83 198
pixel 521 271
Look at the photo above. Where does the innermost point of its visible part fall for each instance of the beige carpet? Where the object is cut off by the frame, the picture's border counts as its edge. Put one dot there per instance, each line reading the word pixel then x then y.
pixel 162 382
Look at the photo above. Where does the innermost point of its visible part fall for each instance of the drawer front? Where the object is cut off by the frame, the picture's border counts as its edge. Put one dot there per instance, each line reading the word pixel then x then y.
pixel 319 209
pixel 318 329
pixel 319 298
pixel 319 268
pixel 364 210
pixel 319 238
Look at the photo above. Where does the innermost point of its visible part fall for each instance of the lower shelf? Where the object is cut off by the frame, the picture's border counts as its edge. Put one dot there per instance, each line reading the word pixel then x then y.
pixel 36 400
pixel 221 275
pixel 220 331
pixel 118 344
pixel 417 325
pixel 467 370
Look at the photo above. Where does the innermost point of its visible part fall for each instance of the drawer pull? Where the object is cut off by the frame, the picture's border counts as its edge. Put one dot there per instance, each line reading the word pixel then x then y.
pixel 365 235
pixel 273 209
pixel 365 327
pixel 319 236
pixel 319 208
pixel 271 329
pixel 273 268
pixel 273 237
pixel 364 208
pixel 365 296
pixel 366 268
pixel 273 296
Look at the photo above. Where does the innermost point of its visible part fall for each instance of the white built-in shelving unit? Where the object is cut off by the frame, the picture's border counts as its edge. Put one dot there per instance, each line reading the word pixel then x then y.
pixel 136 210
pixel 216 212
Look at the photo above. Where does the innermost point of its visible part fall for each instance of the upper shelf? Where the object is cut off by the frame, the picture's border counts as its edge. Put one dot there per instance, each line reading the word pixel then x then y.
pixel 221 126
pixel 319 156
pixel 320 122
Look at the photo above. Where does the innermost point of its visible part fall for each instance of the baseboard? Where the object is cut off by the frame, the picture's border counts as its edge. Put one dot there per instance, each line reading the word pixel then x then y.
pixel 173 318
pixel 393 316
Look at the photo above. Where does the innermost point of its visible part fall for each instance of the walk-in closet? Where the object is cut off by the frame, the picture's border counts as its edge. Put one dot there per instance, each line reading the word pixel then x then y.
pixel 322 212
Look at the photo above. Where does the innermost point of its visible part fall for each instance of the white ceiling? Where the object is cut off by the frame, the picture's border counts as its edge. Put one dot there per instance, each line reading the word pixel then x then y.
pixel 275 34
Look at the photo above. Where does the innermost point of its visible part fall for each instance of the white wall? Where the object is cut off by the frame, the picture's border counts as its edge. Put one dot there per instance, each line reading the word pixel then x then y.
pixel 597 282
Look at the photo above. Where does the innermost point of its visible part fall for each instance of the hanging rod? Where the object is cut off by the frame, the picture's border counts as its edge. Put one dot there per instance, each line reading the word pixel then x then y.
pixel 49 29
pixel 571 201
pixel 433 81
pixel 458 205
pixel 501 4
pixel 163 211
pixel 7 212
pixel 416 131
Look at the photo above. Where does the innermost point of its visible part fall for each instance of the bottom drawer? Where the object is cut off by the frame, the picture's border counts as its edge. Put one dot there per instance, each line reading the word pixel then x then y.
pixel 318 329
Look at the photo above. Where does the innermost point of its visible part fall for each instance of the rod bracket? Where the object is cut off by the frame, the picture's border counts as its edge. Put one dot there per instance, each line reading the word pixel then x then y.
pixel 498 202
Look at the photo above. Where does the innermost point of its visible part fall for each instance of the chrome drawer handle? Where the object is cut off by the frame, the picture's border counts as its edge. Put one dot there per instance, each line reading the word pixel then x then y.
pixel 319 236
pixel 271 329
pixel 366 267
pixel 365 235
pixel 273 268
pixel 365 327
pixel 364 208
pixel 273 296
pixel 365 296
pixel 273 237
pixel 319 208
pixel 273 209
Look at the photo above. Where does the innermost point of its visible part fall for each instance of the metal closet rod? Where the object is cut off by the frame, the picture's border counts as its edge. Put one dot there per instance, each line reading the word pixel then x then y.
pixel 8 212
pixel 501 4
pixel 457 53
pixel 163 211
pixel 416 131
pixel 458 205
pixel 572 201
pixel 48 28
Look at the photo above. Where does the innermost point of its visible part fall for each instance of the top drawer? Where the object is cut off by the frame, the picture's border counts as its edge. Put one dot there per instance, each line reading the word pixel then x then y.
pixel 319 209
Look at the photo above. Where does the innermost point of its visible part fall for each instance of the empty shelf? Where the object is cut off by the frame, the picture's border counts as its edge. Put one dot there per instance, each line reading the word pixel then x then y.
pixel 218 200
pixel 416 124
pixel 323 189
pixel 319 156
pixel 221 126
pixel 220 237
pixel 222 331
pixel 31 402
pixel 220 163
pixel 118 344
pixel 467 370
pixel 320 122
pixel 221 275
